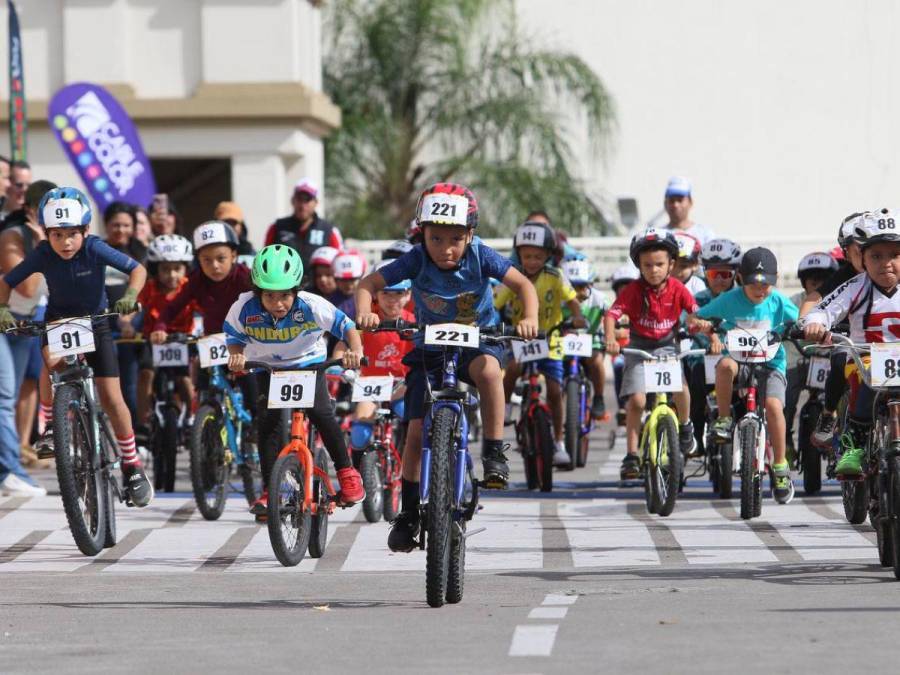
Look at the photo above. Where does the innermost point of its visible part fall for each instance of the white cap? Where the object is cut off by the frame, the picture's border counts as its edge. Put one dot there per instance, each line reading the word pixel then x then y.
pixel 678 186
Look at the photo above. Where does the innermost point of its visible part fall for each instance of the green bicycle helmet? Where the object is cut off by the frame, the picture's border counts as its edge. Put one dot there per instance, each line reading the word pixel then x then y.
pixel 277 268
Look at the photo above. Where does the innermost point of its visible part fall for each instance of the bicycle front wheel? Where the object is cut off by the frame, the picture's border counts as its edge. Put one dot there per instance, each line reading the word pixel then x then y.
pixel 665 476
pixel 81 482
pixel 288 522
pixel 810 457
pixel 209 472
pixel 573 422
pixel 544 446
pixel 750 481
pixel 439 518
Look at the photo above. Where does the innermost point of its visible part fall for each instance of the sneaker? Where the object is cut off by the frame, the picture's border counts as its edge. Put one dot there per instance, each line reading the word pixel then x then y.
pixel 260 508
pixel 631 468
pixel 850 463
pixel 561 457
pixel 351 486
pixel 686 439
pixel 784 486
pixel 598 407
pixel 824 431
pixel 496 470
pixel 137 485
pixel 45 444
pixel 722 429
pixel 13 486
pixel 404 529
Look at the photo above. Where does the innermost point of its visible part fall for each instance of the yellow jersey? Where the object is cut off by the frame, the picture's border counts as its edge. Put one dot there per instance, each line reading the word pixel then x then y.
pixel 553 291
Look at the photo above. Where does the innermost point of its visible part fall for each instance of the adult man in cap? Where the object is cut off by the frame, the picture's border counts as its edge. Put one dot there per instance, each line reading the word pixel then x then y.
pixel 678 203
pixel 304 230
pixel 233 214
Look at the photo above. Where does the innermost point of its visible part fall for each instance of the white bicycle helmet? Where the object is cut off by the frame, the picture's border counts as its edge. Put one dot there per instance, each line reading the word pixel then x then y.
pixel 847 230
pixel 395 250
pixel 624 275
pixel 324 255
pixel 817 262
pixel 348 266
pixel 688 246
pixel 170 248
pixel 878 226
pixel 721 252
pixel 579 272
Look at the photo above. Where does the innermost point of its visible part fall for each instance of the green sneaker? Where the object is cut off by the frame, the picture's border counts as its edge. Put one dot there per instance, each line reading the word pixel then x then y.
pixel 784 486
pixel 850 463
pixel 722 429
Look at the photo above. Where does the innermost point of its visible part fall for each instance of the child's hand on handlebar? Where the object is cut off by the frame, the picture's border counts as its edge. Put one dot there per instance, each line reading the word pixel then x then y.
pixel 236 362
pixel 527 328
pixel 715 345
pixel 367 320
pixel 815 332
pixel 351 359
pixel 612 347
pixel 158 337
pixel 579 322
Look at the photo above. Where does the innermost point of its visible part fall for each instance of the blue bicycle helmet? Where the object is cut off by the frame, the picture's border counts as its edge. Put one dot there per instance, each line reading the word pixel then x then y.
pixel 64 207
pixel 400 286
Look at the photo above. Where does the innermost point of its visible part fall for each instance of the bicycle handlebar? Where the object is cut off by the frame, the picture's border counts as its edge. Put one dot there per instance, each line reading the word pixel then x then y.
pixel 324 365
pixel 35 328
pixel 496 333
pixel 647 356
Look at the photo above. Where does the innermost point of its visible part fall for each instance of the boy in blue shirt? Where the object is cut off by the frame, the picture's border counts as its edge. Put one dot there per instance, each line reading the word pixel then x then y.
pixel 756 304
pixel 74 264
pixel 450 273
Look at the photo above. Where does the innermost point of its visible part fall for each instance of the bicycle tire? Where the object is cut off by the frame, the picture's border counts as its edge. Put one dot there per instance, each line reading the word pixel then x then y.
pixel 438 516
pixel 391 499
pixel 526 446
pixel 893 483
pixel 884 534
pixel 109 458
pixel 168 440
pixel 748 439
pixel 288 524
pixel 725 469
pixel 318 530
pixel 667 475
pixel 373 503
pixel 248 482
pixel 78 480
pixel 651 496
pixel 584 443
pixel 572 426
pixel 456 577
pixel 855 496
pixel 544 449
pixel 810 457
pixel 209 473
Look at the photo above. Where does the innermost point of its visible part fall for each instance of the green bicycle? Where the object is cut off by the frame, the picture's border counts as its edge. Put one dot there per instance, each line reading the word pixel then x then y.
pixel 661 459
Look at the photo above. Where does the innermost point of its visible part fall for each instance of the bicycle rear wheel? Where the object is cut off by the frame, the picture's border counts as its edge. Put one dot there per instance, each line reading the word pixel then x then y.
pixel 544 447
pixel 810 458
pixel 665 477
pixel 79 472
pixel 167 448
pixel 318 532
pixel 289 524
pixel 390 469
pixel 529 451
pixel 109 458
pixel 855 495
pixel 893 483
pixel 725 468
pixel 438 517
pixel 209 472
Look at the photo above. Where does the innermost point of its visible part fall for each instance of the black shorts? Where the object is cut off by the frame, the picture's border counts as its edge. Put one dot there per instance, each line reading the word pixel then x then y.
pixel 104 360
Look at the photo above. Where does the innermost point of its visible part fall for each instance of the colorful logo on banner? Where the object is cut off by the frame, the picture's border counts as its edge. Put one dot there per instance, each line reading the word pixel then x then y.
pixel 103 144
pixel 18 126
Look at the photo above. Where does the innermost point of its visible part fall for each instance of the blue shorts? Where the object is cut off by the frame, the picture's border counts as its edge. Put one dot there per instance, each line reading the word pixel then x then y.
pixel 552 369
pixel 420 362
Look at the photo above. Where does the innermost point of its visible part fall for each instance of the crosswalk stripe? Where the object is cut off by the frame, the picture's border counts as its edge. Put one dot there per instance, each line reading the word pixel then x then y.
pixel 829 512
pixel 515 537
pixel 603 535
pixel 25 544
pixel 666 544
pixel 817 538
pixel 707 538
pixel 11 504
pixel 229 552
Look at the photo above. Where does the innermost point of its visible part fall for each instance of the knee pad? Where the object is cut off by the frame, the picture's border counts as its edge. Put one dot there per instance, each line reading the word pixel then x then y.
pixel 360 435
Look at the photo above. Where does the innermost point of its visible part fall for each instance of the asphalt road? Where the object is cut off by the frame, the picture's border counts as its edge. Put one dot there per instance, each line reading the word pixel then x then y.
pixel 582 579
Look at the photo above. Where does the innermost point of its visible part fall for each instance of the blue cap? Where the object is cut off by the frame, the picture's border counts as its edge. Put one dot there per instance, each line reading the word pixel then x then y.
pixel 678 186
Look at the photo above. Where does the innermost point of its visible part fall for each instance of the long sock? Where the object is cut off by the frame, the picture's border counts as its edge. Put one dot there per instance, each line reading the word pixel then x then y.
pixel 409 494
pixel 47 413
pixel 129 450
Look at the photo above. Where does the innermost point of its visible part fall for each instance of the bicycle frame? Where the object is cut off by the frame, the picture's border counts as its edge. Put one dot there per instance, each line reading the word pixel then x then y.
pixel 534 390
pixel 648 436
pixel 298 445
pixel 752 416
pixel 231 406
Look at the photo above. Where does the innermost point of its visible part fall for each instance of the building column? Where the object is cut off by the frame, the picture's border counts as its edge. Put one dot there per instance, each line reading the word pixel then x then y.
pixel 258 181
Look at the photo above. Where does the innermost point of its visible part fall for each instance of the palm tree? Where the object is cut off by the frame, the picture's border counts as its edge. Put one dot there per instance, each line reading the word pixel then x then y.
pixel 436 90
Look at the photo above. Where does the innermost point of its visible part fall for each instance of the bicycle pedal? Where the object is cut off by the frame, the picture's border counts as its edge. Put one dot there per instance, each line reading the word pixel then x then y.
pixel 45 452
pixel 261 518
pixel 494 483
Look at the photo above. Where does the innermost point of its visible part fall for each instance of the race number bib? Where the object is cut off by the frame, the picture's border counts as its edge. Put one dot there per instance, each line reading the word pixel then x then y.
pixel 292 389
pixel 169 355
pixel 374 389
pixel 709 367
pixel 660 376
pixel 819 367
pixel 212 350
pixel 70 337
pixel 532 350
pixel 885 368
pixel 577 344
pixel 452 335
pixel 748 340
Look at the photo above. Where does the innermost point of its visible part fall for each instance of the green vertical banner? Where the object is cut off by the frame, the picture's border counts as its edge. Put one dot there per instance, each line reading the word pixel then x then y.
pixel 18 126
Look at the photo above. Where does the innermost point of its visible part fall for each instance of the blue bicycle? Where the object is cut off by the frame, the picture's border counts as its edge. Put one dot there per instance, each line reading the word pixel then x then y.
pixel 221 441
pixel 448 488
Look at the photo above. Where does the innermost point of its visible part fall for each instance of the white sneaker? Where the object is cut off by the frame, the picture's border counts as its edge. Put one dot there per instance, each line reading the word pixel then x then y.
pixel 13 486
pixel 561 457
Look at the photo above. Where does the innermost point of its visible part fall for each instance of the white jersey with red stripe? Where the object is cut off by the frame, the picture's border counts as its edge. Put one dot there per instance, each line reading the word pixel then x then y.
pixel 874 315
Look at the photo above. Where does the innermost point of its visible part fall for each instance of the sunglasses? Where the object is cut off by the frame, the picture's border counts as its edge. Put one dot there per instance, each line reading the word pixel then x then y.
pixel 304 197
pixel 720 274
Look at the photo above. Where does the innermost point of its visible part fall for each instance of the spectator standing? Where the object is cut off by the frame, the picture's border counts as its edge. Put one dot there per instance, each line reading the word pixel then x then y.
pixel 142 230
pixel 678 203
pixel 19 181
pixel 4 185
pixel 233 214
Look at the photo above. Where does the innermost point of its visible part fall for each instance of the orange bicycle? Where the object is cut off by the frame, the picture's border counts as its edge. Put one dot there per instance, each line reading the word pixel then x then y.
pixel 301 494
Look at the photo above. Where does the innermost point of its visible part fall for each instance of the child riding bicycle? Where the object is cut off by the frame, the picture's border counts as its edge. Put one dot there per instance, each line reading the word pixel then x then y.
pixel 755 304
pixel 653 304
pixel 278 324
pixel 450 273
pixel 68 254
pixel 534 243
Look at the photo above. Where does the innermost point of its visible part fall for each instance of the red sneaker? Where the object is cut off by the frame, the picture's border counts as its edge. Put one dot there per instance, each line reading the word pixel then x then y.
pixel 261 506
pixel 351 485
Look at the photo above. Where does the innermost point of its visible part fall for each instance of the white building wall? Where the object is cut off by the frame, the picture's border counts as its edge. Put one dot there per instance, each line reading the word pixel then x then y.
pixel 783 112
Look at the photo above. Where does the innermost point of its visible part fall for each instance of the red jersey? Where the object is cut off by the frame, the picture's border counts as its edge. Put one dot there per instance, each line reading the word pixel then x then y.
pixel 213 298
pixel 654 313
pixel 385 351
pixel 154 299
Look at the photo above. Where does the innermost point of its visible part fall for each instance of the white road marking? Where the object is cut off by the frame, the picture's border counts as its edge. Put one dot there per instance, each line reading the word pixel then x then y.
pixel 533 640
pixel 557 599
pixel 707 538
pixel 548 613
pixel 603 535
